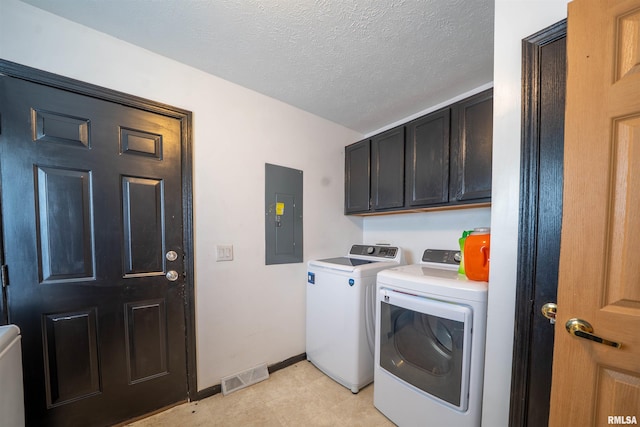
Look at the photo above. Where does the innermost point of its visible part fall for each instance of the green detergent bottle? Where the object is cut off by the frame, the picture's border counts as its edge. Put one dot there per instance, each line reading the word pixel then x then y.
pixel 461 240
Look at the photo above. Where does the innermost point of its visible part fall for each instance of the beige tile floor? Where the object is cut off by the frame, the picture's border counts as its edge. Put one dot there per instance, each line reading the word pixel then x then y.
pixel 299 395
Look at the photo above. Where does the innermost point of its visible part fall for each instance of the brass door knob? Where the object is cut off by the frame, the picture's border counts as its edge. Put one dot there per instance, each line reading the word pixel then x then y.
pixel 549 311
pixel 583 329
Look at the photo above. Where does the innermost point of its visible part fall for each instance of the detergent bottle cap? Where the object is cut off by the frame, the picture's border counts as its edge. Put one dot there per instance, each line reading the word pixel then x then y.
pixel 481 230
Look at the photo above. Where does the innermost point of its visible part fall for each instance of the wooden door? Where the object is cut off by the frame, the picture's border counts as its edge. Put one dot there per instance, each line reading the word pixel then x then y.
pixel 599 278
pixel 91 205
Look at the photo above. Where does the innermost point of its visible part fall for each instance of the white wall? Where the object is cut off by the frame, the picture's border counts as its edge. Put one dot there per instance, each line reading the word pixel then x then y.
pixel 416 232
pixel 247 313
pixel 514 20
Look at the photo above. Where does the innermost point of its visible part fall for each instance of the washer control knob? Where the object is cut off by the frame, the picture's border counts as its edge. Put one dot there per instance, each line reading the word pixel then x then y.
pixel 371 250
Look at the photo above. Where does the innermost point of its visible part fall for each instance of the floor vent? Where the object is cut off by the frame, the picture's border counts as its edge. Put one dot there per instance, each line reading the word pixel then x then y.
pixel 244 379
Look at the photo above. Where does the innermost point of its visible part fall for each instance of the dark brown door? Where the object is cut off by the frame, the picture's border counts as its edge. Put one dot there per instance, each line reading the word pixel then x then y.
pixel 91 206
pixel 544 83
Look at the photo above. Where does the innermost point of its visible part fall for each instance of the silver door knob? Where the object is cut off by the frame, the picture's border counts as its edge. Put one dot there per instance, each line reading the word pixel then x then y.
pixel 172 275
pixel 171 256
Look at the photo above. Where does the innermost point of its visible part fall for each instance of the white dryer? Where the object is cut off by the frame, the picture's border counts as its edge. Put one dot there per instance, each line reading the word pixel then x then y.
pixel 341 312
pixel 430 341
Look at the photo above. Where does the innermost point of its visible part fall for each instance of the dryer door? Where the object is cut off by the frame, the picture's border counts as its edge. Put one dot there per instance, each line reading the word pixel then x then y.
pixel 427 344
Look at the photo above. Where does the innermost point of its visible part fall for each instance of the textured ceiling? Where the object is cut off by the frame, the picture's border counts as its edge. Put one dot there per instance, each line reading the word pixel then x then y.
pixel 361 63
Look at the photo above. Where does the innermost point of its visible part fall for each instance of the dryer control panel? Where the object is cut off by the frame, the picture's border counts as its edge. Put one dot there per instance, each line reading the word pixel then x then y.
pixel 441 256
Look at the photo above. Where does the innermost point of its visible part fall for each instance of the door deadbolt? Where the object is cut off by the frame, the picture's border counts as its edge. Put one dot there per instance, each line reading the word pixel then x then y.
pixel 171 256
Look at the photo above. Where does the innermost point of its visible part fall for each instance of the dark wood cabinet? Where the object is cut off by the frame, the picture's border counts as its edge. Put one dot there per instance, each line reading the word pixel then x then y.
pixel 471 149
pixel 437 161
pixel 387 169
pixel 374 173
pixel 427 160
pixel 357 177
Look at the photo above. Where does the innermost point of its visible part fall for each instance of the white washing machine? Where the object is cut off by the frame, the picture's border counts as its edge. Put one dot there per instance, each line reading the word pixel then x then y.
pixel 341 312
pixel 11 391
pixel 430 341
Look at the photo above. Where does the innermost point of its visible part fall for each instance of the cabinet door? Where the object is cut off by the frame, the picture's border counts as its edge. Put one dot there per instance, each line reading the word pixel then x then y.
pixel 427 160
pixel 471 149
pixel 357 175
pixel 387 174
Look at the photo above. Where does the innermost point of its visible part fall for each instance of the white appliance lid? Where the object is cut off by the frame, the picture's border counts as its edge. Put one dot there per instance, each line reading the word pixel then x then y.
pixel 368 268
pixel 433 281
pixel 347 261
pixel 363 258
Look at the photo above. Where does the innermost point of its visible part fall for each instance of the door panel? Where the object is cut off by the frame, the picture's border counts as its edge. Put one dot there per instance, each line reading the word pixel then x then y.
pixel 623 276
pixel 71 356
pixel 91 202
pixel 143 207
pixel 64 229
pixel 147 346
pixel 598 279
pixel 140 143
pixel 54 127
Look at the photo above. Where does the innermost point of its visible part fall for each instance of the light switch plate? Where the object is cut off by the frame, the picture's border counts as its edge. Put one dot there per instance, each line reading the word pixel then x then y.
pixel 224 252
